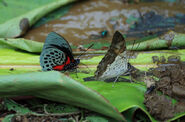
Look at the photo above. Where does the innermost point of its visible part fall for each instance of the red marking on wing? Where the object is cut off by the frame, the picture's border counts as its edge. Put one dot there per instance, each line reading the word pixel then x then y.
pixel 68 60
pixel 60 67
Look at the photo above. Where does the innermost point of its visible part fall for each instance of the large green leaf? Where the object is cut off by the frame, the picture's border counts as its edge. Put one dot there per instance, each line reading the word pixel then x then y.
pixel 169 40
pixel 17 57
pixel 12 57
pixel 57 87
pixel 123 95
pixel 23 44
pixel 11 105
pixel 143 57
pixel 19 25
pixel 20 6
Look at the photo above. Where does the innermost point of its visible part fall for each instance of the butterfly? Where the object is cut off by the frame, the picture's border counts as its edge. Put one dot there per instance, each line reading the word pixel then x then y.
pixel 57 54
pixel 115 62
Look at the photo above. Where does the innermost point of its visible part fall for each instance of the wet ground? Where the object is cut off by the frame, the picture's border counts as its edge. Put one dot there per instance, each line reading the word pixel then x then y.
pixel 96 21
pixel 171 85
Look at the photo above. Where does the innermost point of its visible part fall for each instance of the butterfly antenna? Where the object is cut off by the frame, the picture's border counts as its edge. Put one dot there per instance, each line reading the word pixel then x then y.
pixel 86 66
pixel 132 52
pixel 85 51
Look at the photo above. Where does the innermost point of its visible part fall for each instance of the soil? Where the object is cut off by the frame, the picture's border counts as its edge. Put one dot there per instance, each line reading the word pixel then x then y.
pixel 171 85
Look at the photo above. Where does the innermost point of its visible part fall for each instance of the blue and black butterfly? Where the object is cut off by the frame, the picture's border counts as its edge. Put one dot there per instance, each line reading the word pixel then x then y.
pixel 57 54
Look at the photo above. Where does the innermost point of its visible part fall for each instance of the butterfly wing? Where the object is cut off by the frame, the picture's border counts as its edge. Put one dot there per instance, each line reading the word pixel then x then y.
pixel 114 63
pixel 55 52
pixel 54 39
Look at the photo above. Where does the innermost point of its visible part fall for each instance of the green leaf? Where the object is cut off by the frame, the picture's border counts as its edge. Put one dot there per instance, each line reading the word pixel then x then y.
pixel 10 56
pixel 19 25
pixel 58 87
pixel 129 113
pixel 97 45
pixel 96 119
pixel 58 108
pixel 11 105
pixel 150 44
pixel 123 95
pixel 20 6
pixel 23 44
pixel 8 118
pixel 168 40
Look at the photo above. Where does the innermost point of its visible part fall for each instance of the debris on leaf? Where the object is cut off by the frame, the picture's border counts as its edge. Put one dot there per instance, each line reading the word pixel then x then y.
pixel 169 95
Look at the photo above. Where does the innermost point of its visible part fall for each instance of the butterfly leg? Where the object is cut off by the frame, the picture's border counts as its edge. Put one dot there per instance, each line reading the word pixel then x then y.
pixel 115 80
pixel 76 71
pixel 131 79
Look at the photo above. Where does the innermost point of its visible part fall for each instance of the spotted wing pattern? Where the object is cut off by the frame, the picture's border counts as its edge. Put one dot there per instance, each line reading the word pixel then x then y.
pixel 51 57
pixel 54 52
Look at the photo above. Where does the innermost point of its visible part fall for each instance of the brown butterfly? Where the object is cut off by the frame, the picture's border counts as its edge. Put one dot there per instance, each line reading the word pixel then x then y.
pixel 115 62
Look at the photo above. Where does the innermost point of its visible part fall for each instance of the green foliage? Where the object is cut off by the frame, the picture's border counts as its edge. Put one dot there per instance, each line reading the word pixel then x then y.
pixel 126 97
pixel 57 87
pixel 58 108
pixel 19 109
pixel 20 6
pixel 9 56
pixel 22 44
pixel 97 45
pixel 96 119
pixel 8 118
pixel 15 27
pixel 164 42
pixel 146 43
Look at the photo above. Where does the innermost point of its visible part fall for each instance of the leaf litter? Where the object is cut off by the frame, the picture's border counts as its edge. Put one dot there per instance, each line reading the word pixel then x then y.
pixel 168 97
pixel 37 110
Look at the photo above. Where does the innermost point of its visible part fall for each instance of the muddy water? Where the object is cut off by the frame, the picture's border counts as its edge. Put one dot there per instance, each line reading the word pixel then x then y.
pixel 87 19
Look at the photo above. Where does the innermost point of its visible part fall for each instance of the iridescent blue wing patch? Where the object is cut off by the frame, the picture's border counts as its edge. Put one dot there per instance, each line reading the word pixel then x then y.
pixel 54 39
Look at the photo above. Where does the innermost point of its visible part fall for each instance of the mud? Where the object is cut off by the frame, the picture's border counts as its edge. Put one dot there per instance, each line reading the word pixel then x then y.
pixel 87 21
pixel 159 106
pixel 171 85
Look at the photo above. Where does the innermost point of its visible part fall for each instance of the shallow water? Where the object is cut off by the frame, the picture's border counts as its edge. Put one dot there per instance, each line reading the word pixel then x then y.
pixel 87 19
